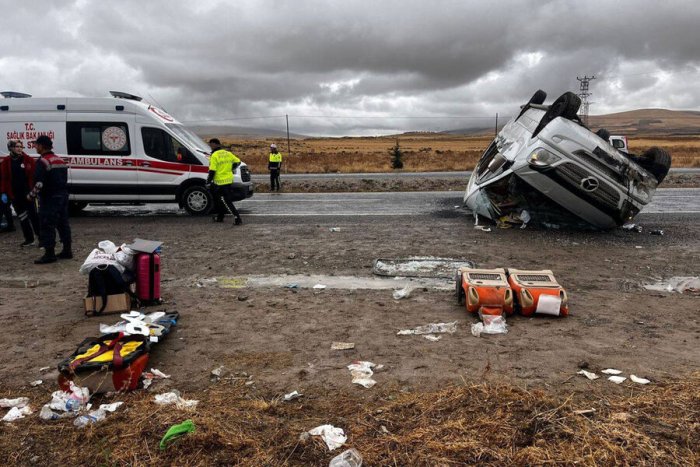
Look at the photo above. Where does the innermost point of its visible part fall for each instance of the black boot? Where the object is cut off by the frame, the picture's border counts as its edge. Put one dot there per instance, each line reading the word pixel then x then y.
pixel 66 252
pixel 238 221
pixel 49 257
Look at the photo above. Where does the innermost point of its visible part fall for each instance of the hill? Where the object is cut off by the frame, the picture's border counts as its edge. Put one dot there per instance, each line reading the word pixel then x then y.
pixel 649 122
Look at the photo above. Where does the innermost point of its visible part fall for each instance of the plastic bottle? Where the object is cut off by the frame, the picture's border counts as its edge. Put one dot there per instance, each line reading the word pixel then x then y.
pixel 90 418
pixel 349 458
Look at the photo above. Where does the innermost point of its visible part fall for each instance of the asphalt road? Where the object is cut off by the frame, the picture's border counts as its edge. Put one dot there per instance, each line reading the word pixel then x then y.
pixel 393 175
pixel 682 201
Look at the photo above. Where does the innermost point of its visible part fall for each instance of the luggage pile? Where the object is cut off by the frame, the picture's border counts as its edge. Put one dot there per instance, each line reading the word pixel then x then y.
pixel 121 275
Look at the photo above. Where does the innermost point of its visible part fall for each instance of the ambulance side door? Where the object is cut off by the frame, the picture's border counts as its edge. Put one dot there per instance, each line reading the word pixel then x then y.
pixel 101 157
pixel 165 165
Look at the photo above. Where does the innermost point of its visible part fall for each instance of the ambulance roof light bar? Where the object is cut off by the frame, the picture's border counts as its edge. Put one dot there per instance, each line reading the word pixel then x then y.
pixel 125 95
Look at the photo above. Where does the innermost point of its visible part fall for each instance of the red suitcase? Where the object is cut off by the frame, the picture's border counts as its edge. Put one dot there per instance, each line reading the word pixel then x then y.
pixel 148 277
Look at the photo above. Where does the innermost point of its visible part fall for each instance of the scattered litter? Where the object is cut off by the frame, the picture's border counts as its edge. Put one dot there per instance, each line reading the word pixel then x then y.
pixel 611 371
pixel 585 412
pixel 420 266
pixel 494 324
pixel 432 337
pixel 632 227
pixel 19 402
pixel 638 380
pixel 681 284
pixel 334 229
pixel 349 458
pixel 402 293
pixel 44 368
pixel 342 345
pixel 291 396
pixel 159 373
pixel 361 372
pixel 525 217
pixel 483 228
pixel 16 413
pixel 152 375
pixel 96 415
pixel 292 286
pixel 38 382
pixel 217 372
pixel 433 328
pixel 638 247
pixel 319 286
pixel 617 379
pixel 658 232
pixel 477 329
pixel 588 374
pixel 334 437
pixel 70 401
pixel 175 432
pixel 173 397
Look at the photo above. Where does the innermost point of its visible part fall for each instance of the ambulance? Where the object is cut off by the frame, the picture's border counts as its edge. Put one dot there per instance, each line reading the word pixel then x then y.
pixel 119 149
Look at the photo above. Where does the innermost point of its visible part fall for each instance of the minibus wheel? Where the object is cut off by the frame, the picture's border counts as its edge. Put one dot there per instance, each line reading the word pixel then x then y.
pixel 197 200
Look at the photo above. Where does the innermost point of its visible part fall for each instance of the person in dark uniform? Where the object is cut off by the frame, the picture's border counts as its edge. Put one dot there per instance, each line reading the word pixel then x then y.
pixel 51 186
pixel 222 165
pixel 17 173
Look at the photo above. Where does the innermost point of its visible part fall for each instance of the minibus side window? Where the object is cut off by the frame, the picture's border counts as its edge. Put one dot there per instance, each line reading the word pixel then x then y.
pixel 98 138
pixel 160 145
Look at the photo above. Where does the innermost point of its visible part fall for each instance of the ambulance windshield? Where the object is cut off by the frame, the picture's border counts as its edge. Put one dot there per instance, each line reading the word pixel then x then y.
pixel 188 136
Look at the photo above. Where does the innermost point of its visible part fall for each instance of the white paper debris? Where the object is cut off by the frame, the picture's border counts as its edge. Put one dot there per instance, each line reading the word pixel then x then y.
pixel 38 382
pixel 362 373
pixel 679 284
pixel 617 379
pixel 18 402
pixel 402 293
pixel 432 337
pixel 44 368
pixel 291 396
pixel 16 413
pixel 342 345
pixel 170 398
pixel 319 286
pixel 494 324
pixel 588 374
pixel 218 371
pixel 639 380
pixel 334 437
pixel 611 371
pixel 483 228
pixel 477 329
pixel 334 229
pixel 549 305
pixel 434 328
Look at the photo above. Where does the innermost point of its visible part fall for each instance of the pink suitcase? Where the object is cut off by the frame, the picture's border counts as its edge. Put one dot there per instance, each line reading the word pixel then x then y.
pixel 148 277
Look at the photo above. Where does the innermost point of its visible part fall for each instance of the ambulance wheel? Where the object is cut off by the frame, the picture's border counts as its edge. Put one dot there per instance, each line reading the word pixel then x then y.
pixel 197 200
pixel 75 208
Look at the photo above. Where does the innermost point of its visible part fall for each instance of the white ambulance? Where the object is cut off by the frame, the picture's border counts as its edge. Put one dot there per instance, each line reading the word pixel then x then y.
pixel 119 149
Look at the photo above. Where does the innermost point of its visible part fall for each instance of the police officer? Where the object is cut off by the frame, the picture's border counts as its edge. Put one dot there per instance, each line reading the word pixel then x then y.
pixel 222 164
pixel 51 186
pixel 274 166
pixel 17 172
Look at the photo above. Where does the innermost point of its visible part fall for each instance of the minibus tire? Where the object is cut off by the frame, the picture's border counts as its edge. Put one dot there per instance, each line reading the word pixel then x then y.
pixel 657 161
pixel 537 98
pixel 197 200
pixel 565 106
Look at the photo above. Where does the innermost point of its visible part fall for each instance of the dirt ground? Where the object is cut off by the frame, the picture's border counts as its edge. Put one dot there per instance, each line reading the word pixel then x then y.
pixel 278 339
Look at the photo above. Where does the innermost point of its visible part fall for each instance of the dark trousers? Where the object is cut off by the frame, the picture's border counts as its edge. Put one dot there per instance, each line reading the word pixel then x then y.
pixel 28 219
pixel 53 216
pixel 274 179
pixel 223 201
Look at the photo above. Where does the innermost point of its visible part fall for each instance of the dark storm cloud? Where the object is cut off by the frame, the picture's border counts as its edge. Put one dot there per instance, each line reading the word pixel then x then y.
pixel 449 59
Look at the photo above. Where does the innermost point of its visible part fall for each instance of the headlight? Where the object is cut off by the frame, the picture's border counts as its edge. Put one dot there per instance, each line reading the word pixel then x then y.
pixel 542 158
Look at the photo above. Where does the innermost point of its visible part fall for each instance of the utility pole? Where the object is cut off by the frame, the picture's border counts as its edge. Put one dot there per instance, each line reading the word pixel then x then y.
pixel 584 95
pixel 288 151
pixel 496 123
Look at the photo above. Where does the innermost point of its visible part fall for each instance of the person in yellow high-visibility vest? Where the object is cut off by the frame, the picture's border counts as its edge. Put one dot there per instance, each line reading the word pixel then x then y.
pixel 222 165
pixel 274 166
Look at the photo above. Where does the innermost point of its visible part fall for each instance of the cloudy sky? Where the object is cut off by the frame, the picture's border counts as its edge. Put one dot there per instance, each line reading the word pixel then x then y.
pixel 354 67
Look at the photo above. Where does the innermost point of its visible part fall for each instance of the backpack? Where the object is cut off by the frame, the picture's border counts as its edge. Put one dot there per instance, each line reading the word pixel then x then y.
pixel 104 281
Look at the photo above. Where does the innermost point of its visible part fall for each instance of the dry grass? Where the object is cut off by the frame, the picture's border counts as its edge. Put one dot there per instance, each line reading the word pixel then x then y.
pixel 422 153
pixel 486 424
